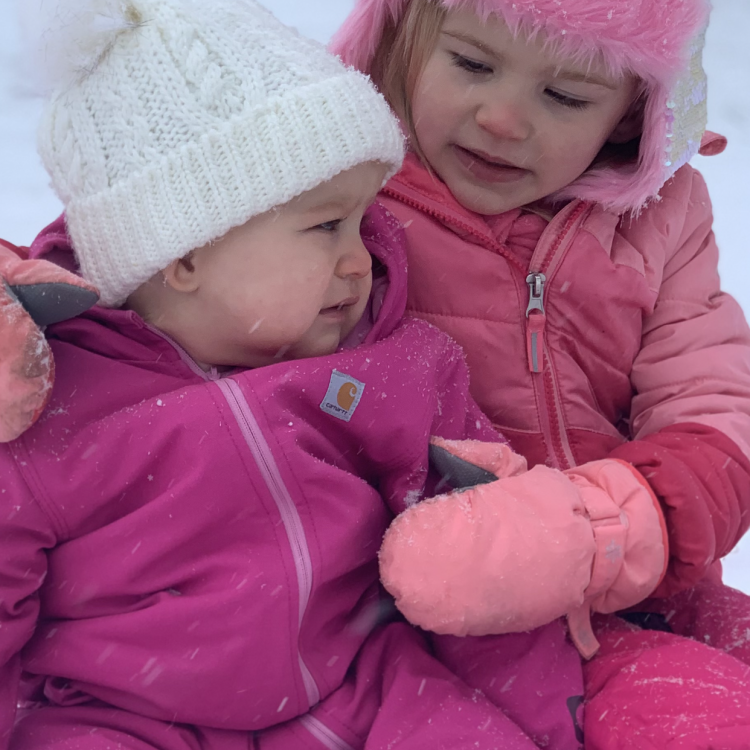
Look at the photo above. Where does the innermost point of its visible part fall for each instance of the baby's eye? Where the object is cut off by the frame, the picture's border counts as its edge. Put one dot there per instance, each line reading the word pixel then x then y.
pixel 329 226
pixel 565 100
pixel 472 66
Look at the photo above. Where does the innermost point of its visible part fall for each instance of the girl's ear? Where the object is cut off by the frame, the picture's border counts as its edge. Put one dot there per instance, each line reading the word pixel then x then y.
pixel 631 125
pixel 181 275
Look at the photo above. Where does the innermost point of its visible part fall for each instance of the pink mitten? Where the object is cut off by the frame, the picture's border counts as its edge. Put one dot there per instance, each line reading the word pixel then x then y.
pixel 33 293
pixel 532 546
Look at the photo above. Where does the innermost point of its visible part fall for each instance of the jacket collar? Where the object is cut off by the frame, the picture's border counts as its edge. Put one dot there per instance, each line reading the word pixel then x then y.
pixel 516 231
pixel 416 184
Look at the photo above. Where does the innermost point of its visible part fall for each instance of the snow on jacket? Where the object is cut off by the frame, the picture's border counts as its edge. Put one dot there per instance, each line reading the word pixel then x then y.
pixel 200 548
pixel 627 347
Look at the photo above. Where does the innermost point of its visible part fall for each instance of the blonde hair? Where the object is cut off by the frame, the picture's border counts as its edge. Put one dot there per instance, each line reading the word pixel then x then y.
pixel 401 55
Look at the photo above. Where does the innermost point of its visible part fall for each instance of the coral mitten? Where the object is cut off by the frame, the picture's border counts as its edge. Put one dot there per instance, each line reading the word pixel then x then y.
pixel 519 552
pixel 33 293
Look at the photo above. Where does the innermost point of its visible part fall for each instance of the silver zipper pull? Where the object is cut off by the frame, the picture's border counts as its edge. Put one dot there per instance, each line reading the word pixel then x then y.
pixel 536 292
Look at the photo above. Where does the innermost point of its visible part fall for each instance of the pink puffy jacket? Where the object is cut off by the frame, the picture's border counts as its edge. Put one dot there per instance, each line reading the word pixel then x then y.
pixel 595 335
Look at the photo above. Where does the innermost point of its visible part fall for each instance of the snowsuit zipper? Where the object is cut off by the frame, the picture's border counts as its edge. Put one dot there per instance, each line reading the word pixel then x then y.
pixel 295 532
pixel 263 457
pixel 323 734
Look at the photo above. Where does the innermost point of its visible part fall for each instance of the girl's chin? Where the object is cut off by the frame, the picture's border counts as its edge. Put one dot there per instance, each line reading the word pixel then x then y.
pixel 480 200
pixel 485 198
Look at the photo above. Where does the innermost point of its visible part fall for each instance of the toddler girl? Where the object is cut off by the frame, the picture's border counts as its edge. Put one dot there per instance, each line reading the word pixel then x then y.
pixel 189 534
pixel 557 233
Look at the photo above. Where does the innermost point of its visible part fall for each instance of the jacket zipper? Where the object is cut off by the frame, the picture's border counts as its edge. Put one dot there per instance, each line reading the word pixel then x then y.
pixel 543 265
pixel 535 321
pixel 287 509
pixel 544 262
pixel 269 470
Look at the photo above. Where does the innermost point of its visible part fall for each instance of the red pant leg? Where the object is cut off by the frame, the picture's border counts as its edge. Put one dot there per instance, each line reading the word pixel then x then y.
pixel 647 690
pixel 710 613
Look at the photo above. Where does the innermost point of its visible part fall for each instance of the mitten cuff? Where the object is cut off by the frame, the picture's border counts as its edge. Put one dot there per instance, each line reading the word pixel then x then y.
pixel 630 537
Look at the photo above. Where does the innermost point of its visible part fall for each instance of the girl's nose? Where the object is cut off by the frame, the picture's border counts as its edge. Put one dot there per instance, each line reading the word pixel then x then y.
pixel 504 118
pixel 355 261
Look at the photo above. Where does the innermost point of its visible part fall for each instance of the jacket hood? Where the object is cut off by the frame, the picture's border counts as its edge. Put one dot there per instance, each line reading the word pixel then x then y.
pixel 660 41
pixel 382 235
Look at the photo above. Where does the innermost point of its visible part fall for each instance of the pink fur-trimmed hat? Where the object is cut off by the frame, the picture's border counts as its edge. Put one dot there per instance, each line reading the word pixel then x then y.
pixel 660 41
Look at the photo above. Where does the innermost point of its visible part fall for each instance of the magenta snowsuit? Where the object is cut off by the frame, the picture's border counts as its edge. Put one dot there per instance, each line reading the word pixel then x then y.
pixel 190 557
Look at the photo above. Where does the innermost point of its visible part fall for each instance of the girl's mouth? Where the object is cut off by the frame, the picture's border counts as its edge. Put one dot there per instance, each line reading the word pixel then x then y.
pixel 486 169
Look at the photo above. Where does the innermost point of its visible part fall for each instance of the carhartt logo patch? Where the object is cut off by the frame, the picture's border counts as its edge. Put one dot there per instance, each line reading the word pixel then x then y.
pixel 343 395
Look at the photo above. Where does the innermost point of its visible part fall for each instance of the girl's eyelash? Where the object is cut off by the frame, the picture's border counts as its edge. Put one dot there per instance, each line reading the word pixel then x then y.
pixel 472 66
pixel 478 68
pixel 566 101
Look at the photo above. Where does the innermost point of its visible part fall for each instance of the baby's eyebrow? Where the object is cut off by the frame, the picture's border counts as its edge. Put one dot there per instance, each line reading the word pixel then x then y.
pixel 343 203
pixel 323 206
pixel 316 205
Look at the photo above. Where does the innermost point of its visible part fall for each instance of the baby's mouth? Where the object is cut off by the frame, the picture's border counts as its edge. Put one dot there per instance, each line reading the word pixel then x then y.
pixel 340 307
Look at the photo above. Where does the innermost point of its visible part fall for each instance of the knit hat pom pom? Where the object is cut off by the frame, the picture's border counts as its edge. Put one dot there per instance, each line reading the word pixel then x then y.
pixel 71 37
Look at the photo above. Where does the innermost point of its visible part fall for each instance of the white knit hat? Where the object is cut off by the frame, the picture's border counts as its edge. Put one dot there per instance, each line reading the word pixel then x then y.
pixel 173 121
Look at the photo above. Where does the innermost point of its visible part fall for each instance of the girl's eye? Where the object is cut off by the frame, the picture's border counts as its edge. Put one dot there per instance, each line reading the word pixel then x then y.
pixel 565 100
pixel 472 66
pixel 329 226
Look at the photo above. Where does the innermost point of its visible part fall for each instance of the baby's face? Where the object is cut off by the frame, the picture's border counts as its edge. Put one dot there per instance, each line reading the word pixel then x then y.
pixel 289 284
pixel 505 121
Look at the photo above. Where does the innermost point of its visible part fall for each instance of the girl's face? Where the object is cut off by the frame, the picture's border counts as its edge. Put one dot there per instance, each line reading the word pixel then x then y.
pixel 505 122
pixel 289 284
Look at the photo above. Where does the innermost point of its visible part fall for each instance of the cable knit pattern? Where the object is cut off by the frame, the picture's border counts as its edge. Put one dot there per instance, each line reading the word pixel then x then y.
pixel 195 118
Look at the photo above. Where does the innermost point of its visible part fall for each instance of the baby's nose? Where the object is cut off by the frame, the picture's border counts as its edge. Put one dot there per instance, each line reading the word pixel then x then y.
pixel 355 260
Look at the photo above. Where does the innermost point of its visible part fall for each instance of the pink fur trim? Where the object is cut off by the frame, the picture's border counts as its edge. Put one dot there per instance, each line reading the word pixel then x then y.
pixel 649 38
pixel 646 37
pixel 629 187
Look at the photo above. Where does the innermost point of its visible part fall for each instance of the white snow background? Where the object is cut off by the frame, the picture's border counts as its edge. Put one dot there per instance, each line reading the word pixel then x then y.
pixel 27 203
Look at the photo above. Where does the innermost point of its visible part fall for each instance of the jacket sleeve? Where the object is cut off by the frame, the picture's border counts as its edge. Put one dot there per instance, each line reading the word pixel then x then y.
pixel 25 534
pixel 690 417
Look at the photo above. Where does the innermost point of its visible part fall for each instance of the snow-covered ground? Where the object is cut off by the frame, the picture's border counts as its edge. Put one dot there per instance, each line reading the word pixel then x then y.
pixel 27 204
